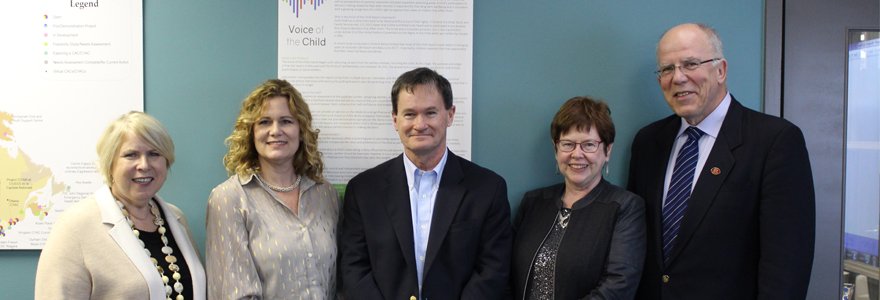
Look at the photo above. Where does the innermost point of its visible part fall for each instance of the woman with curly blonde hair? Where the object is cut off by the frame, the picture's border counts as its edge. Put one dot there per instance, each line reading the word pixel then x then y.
pixel 271 227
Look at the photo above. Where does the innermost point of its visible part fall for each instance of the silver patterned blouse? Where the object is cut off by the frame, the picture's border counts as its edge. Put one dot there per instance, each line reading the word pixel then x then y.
pixel 258 249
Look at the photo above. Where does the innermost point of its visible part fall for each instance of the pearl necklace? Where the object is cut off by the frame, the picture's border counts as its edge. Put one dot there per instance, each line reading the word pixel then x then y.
pixel 167 250
pixel 281 189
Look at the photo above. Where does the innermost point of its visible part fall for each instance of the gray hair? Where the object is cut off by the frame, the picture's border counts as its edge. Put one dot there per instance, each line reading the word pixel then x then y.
pixel 711 35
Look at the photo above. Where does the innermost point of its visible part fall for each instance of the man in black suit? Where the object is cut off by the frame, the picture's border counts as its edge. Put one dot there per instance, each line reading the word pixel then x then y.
pixel 426 224
pixel 739 224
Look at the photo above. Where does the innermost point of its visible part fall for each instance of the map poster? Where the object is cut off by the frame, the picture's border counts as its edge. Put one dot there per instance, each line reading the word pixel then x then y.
pixel 344 55
pixel 69 69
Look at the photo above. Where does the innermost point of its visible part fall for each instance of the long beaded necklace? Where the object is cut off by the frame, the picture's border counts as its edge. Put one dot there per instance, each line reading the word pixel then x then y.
pixel 167 250
pixel 282 189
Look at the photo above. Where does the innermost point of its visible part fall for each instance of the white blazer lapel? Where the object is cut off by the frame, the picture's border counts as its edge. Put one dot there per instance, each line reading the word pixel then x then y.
pixel 121 232
pixel 184 242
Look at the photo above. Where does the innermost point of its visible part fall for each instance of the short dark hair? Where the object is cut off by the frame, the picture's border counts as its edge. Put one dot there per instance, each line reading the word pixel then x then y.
pixel 582 113
pixel 409 80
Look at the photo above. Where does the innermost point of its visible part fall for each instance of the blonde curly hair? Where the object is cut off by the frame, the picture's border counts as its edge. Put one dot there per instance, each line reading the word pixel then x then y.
pixel 242 157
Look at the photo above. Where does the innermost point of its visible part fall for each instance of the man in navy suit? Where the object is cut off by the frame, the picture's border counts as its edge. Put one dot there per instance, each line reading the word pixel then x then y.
pixel 746 230
pixel 426 224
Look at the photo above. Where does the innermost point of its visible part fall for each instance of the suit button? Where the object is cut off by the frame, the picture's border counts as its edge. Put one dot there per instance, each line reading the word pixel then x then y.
pixel 412 297
pixel 665 278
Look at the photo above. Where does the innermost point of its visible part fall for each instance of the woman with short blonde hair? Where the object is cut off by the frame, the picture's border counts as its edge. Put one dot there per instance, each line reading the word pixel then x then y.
pixel 124 242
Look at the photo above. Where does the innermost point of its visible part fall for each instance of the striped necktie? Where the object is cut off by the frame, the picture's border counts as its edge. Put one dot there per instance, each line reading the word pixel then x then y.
pixel 680 189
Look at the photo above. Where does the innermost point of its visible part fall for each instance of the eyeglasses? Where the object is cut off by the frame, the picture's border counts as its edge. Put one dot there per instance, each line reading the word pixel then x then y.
pixel 587 146
pixel 688 65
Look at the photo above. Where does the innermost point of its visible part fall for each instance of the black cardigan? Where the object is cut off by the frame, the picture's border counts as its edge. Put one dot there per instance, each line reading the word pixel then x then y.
pixel 602 252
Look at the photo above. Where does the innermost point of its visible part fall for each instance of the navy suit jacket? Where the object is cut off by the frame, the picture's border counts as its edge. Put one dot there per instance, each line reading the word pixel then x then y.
pixel 468 254
pixel 749 228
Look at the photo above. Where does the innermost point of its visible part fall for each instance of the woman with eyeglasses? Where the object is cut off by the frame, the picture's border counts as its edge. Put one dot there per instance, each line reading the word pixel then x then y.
pixel 582 238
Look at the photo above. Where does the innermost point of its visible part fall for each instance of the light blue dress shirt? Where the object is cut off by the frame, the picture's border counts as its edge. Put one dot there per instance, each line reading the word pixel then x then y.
pixel 423 187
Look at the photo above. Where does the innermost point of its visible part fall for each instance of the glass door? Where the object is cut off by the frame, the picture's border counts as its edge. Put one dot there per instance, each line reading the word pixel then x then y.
pixel 862 165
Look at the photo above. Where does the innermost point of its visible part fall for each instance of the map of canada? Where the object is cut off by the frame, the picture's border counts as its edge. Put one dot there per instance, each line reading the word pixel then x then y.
pixel 60 84
pixel 26 187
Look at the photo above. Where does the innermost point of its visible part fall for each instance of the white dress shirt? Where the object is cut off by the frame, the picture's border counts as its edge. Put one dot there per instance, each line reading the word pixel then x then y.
pixel 711 125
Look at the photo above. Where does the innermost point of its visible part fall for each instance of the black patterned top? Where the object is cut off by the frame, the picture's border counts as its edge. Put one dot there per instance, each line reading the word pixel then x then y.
pixel 544 269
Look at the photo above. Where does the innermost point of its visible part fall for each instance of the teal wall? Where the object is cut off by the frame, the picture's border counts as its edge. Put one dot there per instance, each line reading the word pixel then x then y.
pixel 202 57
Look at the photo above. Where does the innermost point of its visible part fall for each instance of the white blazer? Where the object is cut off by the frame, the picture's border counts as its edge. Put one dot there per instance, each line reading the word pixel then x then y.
pixel 91 253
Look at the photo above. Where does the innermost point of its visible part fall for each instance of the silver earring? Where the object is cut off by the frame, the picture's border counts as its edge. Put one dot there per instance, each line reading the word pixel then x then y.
pixel 606 168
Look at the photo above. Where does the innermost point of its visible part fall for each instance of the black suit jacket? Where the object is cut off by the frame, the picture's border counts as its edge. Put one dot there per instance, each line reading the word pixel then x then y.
pixel 468 254
pixel 749 229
